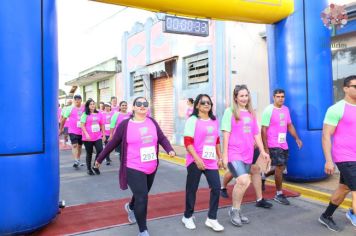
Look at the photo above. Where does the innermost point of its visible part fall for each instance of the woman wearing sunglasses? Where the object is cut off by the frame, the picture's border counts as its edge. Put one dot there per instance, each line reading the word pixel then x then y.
pixel 139 137
pixel 93 130
pixel 240 132
pixel 201 139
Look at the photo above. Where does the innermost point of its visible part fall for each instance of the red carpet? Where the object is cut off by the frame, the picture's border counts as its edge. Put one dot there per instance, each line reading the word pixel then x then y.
pixel 110 213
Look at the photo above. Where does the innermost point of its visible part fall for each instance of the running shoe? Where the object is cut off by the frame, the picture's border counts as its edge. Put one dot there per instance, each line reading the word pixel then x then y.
pixel 329 223
pixel 76 164
pixel 144 233
pixel 90 172
pixel 214 225
pixel 130 214
pixel 223 193
pixel 188 223
pixel 280 198
pixel 96 170
pixel 263 204
pixel 351 216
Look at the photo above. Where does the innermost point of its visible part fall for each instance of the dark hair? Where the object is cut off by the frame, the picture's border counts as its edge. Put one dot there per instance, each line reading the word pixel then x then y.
pixel 348 79
pixel 87 109
pixel 133 104
pixel 191 100
pixel 113 97
pixel 276 91
pixel 196 103
pixel 77 97
pixel 121 104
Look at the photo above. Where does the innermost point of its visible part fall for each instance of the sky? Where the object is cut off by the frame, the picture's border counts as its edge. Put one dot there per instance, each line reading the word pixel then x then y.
pixel 90 33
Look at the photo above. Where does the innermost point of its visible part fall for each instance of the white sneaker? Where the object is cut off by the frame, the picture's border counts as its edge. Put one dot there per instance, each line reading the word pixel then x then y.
pixel 188 223
pixel 214 224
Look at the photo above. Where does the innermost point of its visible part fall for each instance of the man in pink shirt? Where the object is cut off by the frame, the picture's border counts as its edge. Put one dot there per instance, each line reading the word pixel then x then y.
pixel 340 123
pixel 74 128
pixel 276 122
pixel 114 106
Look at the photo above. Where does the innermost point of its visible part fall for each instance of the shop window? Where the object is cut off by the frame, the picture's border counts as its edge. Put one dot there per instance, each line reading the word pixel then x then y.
pixel 197 69
pixel 343 64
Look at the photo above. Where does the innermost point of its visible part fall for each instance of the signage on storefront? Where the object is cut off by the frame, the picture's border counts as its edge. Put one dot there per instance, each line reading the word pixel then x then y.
pixel 180 25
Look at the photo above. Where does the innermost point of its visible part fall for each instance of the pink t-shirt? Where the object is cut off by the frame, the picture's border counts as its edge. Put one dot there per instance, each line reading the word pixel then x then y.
pixel 122 117
pixel 189 112
pixel 93 124
pixel 115 109
pixel 342 115
pixel 107 120
pixel 205 134
pixel 276 120
pixel 241 141
pixel 74 114
pixel 59 114
pixel 142 146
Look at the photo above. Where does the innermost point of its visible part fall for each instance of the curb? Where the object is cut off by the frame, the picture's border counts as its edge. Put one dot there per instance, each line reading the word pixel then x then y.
pixel 304 192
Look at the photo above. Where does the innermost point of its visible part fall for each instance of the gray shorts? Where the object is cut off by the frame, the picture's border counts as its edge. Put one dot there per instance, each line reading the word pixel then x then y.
pixel 238 168
pixel 279 156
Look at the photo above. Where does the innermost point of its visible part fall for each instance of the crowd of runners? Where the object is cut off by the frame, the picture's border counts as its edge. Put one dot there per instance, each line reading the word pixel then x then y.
pixel 248 152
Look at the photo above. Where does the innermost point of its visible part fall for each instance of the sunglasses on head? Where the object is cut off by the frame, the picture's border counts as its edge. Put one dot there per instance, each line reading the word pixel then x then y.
pixel 139 104
pixel 205 103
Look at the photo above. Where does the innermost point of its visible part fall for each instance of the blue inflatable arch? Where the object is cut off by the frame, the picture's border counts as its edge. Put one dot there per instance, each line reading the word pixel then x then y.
pixel 298 59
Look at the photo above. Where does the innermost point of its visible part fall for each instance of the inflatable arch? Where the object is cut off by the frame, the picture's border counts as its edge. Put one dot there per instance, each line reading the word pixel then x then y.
pixel 29 166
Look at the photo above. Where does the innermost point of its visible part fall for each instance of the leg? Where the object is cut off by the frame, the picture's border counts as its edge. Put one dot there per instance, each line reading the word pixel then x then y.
pixel 98 147
pixel 89 150
pixel 137 182
pixel 354 201
pixel 227 178
pixel 107 158
pixel 213 179
pixel 256 181
pixel 278 177
pixel 242 183
pixel 193 179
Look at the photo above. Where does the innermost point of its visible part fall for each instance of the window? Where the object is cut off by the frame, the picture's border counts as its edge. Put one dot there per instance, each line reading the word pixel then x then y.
pixel 343 62
pixel 137 84
pixel 197 68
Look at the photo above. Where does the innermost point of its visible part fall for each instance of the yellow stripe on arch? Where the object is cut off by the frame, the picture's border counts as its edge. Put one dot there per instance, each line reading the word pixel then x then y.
pixel 257 11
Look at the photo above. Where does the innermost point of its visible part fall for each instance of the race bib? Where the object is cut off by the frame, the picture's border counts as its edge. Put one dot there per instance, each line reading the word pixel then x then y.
pixel 107 126
pixel 95 128
pixel 148 154
pixel 282 137
pixel 78 124
pixel 209 152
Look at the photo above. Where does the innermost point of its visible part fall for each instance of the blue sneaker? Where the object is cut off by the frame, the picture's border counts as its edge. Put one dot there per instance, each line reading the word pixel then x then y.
pixel 351 216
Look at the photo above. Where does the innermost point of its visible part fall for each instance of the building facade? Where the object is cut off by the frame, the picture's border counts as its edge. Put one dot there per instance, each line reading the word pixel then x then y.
pixel 169 68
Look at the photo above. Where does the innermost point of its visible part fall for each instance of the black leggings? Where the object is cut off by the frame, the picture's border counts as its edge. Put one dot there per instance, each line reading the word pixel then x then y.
pixel 89 149
pixel 140 184
pixel 107 158
pixel 193 179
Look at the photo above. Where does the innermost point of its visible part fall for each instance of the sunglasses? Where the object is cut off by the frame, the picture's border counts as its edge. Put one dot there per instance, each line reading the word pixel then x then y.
pixel 139 104
pixel 352 85
pixel 205 103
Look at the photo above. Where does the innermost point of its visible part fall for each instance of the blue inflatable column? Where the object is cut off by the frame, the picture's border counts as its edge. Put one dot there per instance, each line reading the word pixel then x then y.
pixel 29 168
pixel 300 63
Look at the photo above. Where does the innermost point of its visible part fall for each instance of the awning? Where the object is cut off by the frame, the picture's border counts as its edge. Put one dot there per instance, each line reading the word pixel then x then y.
pixel 156 67
pixel 91 77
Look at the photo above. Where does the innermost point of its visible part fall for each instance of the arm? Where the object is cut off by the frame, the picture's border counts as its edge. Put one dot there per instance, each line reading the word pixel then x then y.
pixel 293 132
pixel 328 131
pixel 189 144
pixel 116 140
pixel 259 143
pixel 84 130
pixel 163 141
pixel 63 121
pixel 226 136
pixel 264 138
pixel 218 153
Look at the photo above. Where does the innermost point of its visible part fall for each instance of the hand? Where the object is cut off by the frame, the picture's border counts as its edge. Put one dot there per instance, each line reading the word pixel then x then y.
pixel 329 168
pixel 225 160
pixel 104 139
pixel 110 138
pixel 265 155
pixel 221 164
pixel 97 164
pixel 200 164
pixel 172 154
pixel 60 132
pixel 87 136
pixel 267 150
pixel 299 143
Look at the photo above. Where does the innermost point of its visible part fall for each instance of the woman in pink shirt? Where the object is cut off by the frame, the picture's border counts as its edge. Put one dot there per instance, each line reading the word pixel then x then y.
pixel 201 139
pixel 240 132
pixel 139 138
pixel 190 108
pixel 107 114
pixel 93 129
